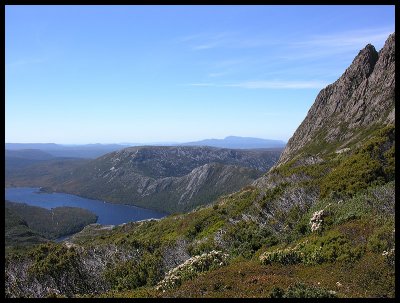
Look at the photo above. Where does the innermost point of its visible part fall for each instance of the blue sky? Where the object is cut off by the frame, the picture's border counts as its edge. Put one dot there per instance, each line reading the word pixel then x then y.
pixel 112 74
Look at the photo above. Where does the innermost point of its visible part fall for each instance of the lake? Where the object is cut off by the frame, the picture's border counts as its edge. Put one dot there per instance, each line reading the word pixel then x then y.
pixel 108 213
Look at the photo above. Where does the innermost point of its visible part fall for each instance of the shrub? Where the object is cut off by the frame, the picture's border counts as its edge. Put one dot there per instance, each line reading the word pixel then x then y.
pixel 246 237
pixel 371 164
pixel 205 245
pixel 191 268
pixel 51 259
pixel 131 274
pixel 382 239
pixel 300 290
pixel 329 248
pixel 286 256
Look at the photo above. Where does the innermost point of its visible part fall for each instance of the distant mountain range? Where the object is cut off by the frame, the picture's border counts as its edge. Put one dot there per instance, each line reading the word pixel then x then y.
pixel 71 151
pixel 239 143
pixel 96 150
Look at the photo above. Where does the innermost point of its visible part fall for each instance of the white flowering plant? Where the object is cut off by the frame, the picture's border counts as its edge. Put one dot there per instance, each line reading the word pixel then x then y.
pixel 191 268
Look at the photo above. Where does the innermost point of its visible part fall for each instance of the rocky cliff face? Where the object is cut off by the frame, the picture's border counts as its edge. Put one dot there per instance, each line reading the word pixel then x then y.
pixel 343 117
pixel 176 161
pixel 362 98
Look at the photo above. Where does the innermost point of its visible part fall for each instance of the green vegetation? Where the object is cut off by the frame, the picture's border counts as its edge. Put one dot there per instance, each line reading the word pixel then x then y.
pixel 49 224
pixel 192 268
pixel 131 274
pixel 45 173
pixel 371 164
pixel 338 175
pixel 52 259
pixel 246 237
pixel 330 247
pixel 17 232
pixel 300 290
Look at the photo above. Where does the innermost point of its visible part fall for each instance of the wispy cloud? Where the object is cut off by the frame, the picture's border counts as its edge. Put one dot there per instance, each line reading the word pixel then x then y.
pixel 202 84
pixel 349 38
pixel 22 62
pixel 295 58
pixel 334 42
pixel 280 84
pixel 207 41
pixel 204 41
pixel 267 84
pixel 337 43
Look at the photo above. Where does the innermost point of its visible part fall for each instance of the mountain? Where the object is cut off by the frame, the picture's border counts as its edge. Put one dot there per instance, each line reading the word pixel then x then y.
pixel 33 154
pixel 26 172
pixel 70 151
pixel 40 146
pixel 238 142
pixel 16 159
pixel 169 179
pixel 96 150
pixel 361 100
pixel 319 224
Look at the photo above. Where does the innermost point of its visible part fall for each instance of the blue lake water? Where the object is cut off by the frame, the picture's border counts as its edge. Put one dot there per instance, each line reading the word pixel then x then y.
pixel 107 213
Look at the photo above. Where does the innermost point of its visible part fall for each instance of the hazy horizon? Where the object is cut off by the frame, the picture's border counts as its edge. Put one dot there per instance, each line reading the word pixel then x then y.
pixel 153 142
pixel 82 74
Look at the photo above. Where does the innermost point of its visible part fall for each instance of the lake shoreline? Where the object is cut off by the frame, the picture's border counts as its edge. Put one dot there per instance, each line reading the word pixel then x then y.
pixel 108 213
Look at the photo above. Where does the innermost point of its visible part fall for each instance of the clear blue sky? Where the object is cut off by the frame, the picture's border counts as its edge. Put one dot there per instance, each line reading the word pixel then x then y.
pixel 112 74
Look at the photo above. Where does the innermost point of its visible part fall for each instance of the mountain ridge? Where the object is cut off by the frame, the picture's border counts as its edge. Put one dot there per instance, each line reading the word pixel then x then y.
pixel 165 178
pixel 238 142
pixel 344 103
pixel 98 149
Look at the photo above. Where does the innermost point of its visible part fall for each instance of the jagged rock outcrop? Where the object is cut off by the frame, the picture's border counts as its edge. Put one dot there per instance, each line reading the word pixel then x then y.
pixel 342 116
pixel 361 98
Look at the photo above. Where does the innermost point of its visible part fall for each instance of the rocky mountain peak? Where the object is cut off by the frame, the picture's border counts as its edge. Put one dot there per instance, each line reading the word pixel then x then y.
pixel 362 65
pixel 362 98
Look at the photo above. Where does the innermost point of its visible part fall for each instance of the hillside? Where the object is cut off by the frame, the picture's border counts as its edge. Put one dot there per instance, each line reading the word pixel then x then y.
pixel 17 232
pixel 33 154
pixel 319 224
pixel 16 159
pixel 22 172
pixel 53 223
pixel 169 179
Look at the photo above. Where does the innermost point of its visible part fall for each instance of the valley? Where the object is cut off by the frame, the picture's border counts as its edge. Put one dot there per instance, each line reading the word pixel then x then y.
pixel 167 179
